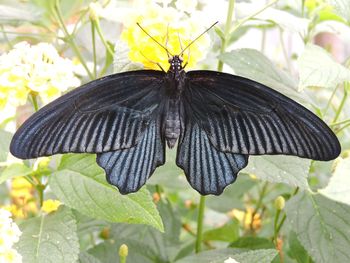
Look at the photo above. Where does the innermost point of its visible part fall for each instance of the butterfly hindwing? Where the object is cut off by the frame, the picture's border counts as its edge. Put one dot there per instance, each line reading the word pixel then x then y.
pixel 243 116
pixel 128 169
pixel 207 169
pixel 104 115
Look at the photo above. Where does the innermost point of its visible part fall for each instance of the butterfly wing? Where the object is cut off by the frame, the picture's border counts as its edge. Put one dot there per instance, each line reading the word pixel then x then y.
pixel 104 115
pixel 128 169
pixel 243 116
pixel 207 169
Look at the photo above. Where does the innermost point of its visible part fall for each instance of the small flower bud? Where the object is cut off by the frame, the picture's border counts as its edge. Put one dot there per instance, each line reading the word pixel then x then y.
pixel 93 11
pixel 156 197
pixel 123 251
pixel 279 202
pixel 105 233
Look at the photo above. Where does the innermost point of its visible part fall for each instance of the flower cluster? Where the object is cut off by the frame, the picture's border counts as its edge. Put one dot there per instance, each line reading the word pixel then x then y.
pixel 173 27
pixel 37 69
pixel 9 234
pixel 22 198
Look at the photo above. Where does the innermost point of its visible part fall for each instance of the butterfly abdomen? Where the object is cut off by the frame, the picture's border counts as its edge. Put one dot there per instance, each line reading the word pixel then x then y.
pixel 172 122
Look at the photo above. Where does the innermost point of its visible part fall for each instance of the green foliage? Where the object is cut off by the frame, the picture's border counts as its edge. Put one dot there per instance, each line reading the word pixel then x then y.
pixel 321 225
pixel 4 144
pixel 280 169
pixel 318 68
pixel 13 170
pixel 252 64
pixel 338 187
pixel 219 255
pixel 88 192
pixel 252 243
pixel 51 236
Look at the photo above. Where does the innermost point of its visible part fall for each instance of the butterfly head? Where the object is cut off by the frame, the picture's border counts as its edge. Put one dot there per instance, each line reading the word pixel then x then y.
pixel 175 63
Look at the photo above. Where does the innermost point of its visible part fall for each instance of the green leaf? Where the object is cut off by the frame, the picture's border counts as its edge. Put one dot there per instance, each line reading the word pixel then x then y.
pixel 342 8
pixel 296 250
pixel 5 139
pixel 220 255
pixel 228 232
pixel 85 257
pixel 145 243
pixel 87 225
pixel 321 225
pixel 17 13
pixel 170 175
pixel 338 187
pixel 318 68
pixel 49 238
pixel 80 183
pixel 252 64
pixel 284 19
pixel 232 195
pixel 15 169
pixel 290 170
pixel 252 243
pixel 107 252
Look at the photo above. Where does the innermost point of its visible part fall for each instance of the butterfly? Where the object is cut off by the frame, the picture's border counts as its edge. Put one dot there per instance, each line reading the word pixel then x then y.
pixel 217 120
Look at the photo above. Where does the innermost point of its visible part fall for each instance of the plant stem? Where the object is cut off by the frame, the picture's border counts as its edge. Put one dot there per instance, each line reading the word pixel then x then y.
pixel 228 23
pixel 284 216
pixel 242 21
pixel 284 50
pixel 5 37
pixel 258 205
pixel 104 41
pixel 200 224
pixel 342 128
pixel 40 188
pixel 94 48
pixel 34 101
pixel 70 39
pixel 330 100
pixel 275 225
pixel 228 30
pixel 342 103
pixel 339 122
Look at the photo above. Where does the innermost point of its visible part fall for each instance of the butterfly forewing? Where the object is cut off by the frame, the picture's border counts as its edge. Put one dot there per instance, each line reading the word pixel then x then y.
pixel 242 116
pixel 104 115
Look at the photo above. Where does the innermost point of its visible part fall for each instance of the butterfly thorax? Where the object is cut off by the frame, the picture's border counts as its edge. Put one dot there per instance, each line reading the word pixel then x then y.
pixel 175 84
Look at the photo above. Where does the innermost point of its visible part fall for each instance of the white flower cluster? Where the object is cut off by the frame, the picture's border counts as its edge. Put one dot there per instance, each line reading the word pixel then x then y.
pixel 9 234
pixel 38 68
pixel 230 260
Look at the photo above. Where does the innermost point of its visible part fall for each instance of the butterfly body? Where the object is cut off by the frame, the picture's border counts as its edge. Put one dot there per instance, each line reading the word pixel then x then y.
pixel 173 115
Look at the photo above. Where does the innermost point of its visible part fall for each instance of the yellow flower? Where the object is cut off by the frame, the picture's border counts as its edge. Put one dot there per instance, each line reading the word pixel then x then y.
pixel 247 218
pixel 14 210
pixel 34 69
pixel 50 205
pixel 41 163
pixel 22 195
pixel 168 26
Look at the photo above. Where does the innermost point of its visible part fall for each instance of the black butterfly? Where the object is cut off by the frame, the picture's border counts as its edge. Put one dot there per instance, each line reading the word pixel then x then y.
pixel 218 120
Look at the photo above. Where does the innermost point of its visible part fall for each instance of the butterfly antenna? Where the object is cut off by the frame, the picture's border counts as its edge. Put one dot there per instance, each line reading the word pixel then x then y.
pixel 167 51
pixel 197 38
pixel 167 39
